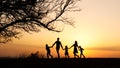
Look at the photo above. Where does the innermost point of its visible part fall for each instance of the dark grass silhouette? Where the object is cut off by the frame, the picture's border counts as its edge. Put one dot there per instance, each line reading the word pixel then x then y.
pixel 36 62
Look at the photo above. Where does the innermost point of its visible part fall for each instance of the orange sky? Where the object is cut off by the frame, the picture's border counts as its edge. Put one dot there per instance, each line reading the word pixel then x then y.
pixel 96 30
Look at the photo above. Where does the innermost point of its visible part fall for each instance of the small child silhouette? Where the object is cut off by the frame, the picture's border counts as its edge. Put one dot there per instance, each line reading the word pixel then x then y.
pixel 48 51
pixel 81 52
pixel 66 52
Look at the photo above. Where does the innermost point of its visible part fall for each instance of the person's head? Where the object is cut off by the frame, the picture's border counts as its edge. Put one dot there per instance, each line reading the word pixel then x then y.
pixel 79 46
pixel 58 39
pixel 46 45
pixel 66 46
pixel 75 42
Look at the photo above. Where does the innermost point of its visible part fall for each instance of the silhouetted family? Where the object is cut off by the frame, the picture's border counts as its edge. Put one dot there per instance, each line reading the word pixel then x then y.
pixel 59 44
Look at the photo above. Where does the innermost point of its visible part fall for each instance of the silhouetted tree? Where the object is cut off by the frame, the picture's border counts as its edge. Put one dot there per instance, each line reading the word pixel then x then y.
pixel 31 15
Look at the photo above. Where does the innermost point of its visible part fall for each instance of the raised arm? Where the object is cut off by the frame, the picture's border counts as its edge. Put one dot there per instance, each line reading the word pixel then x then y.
pixel 82 48
pixel 53 44
pixel 71 46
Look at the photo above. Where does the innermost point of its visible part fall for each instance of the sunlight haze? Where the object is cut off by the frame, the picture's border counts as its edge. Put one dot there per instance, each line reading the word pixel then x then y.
pixel 96 29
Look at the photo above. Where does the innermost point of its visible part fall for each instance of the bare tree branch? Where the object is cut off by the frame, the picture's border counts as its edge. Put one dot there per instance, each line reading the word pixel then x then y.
pixel 31 15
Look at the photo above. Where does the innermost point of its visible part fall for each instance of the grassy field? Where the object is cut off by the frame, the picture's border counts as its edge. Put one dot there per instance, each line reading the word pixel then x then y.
pixel 60 63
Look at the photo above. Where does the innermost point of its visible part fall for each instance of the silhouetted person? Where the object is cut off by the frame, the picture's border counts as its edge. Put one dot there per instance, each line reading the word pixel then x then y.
pixel 75 50
pixel 66 52
pixel 81 51
pixel 48 51
pixel 58 44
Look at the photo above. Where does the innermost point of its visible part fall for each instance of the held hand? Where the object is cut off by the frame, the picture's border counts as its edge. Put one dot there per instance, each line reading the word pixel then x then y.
pixel 50 46
pixel 62 48
pixel 69 48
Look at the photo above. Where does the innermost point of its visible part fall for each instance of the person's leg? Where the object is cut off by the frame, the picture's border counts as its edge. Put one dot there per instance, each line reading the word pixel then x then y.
pixel 68 54
pixel 47 55
pixel 58 54
pixel 51 56
pixel 77 55
pixel 65 56
pixel 57 49
pixel 74 56
pixel 83 55
pixel 80 55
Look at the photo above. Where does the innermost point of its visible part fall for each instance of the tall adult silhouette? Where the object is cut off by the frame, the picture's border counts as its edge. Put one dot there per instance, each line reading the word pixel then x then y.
pixel 81 52
pixel 75 50
pixel 58 44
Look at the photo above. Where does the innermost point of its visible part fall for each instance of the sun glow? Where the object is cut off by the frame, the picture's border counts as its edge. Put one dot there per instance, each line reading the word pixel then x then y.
pixel 96 29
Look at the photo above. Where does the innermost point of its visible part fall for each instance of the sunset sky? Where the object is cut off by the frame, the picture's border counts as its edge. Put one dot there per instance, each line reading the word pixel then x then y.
pixel 97 30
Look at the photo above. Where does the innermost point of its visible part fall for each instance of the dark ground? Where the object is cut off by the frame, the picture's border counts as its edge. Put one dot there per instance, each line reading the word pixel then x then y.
pixel 60 63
